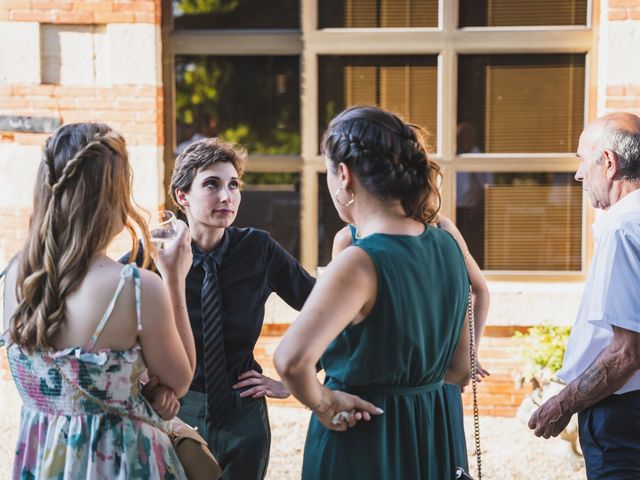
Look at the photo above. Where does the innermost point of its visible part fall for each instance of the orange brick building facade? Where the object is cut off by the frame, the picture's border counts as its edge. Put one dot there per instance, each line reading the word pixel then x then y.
pixel 123 41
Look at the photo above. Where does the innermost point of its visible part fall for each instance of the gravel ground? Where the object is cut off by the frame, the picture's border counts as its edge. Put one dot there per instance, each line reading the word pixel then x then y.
pixel 509 450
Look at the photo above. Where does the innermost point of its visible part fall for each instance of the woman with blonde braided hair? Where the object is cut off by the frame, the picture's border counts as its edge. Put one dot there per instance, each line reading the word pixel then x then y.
pixel 81 328
pixel 387 319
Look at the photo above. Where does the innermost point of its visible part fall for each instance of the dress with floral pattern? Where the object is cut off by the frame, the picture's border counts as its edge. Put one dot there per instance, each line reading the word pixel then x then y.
pixel 65 435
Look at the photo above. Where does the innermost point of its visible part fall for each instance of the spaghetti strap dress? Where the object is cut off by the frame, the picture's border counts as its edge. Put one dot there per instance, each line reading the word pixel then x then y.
pixel 396 358
pixel 453 397
pixel 64 435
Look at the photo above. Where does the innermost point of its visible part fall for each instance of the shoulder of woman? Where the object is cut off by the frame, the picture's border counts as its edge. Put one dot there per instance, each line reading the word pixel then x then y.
pixel 354 257
pixel 150 282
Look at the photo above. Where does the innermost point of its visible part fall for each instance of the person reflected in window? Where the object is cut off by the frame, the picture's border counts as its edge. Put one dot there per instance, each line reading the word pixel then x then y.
pixel 470 192
pixel 387 319
pixel 234 272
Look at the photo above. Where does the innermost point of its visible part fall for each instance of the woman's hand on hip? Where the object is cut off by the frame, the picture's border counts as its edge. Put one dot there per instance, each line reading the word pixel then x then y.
pixel 261 386
pixel 339 411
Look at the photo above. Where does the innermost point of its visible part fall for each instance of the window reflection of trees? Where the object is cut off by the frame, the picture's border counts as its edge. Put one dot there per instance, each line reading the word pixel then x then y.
pixel 235 14
pixel 250 100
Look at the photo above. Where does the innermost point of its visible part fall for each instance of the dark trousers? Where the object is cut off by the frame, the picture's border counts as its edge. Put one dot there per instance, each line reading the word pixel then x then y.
pixel 242 443
pixel 610 437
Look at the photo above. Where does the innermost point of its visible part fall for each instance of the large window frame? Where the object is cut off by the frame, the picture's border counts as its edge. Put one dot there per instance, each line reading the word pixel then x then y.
pixel 447 41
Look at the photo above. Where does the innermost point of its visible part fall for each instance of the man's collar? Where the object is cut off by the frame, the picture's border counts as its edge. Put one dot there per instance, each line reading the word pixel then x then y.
pixel 627 203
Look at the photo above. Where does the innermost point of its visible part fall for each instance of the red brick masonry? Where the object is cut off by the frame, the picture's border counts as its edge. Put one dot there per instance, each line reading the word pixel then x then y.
pixel 81 12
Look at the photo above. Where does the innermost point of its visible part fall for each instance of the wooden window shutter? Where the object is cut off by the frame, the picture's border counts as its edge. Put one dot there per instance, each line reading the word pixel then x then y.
pixel 533 227
pixel 534 108
pixel 505 13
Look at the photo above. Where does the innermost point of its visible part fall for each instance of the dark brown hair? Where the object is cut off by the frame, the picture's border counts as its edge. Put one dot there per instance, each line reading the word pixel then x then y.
pixel 81 200
pixel 202 154
pixel 388 156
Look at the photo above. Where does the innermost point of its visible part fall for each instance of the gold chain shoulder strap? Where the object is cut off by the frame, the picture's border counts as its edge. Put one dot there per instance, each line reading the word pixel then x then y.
pixel 474 378
pixel 112 410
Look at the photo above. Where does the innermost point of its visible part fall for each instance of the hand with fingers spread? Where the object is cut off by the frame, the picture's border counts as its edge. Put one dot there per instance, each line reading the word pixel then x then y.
pixel 339 411
pixel 261 386
pixel 163 400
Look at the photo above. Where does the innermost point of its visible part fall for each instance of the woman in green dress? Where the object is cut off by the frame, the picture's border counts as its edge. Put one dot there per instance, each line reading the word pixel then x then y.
pixel 386 319
pixel 348 235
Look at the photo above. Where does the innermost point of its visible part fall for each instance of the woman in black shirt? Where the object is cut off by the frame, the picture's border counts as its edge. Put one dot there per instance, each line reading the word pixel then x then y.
pixel 233 273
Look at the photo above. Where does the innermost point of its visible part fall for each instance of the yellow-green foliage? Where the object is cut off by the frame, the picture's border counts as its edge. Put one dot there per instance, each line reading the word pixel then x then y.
pixel 543 352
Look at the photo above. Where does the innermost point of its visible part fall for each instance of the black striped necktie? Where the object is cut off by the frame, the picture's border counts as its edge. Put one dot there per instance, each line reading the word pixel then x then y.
pixel 219 393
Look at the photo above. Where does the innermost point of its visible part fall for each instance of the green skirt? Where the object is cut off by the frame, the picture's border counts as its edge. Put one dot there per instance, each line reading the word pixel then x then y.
pixel 417 437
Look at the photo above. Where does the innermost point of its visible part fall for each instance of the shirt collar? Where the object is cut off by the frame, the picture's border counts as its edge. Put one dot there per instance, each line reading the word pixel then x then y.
pixel 217 254
pixel 623 206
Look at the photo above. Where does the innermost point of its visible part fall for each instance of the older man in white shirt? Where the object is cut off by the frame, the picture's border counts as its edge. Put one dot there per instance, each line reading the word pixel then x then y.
pixel 602 360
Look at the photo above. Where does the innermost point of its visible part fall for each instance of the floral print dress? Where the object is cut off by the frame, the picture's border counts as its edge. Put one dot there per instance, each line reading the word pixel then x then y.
pixel 66 435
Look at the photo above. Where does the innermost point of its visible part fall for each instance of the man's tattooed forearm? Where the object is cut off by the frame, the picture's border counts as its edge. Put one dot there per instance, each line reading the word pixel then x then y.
pixel 593 377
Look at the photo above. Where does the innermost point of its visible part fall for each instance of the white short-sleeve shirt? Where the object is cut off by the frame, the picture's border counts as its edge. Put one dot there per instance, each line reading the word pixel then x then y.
pixel 612 291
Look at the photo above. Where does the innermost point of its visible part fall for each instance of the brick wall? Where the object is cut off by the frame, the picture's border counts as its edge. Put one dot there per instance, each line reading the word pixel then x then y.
pixel 81 12
pixel 135 111
pixel 498 394
pixel 619 63
pixel 623 10
pixel 78 61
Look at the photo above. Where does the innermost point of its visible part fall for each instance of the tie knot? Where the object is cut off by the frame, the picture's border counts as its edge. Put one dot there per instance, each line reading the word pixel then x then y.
pixel 207 260
pixel 209 264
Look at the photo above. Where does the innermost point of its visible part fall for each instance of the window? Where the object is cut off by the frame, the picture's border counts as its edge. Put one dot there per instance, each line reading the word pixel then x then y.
pixel 521 103
pixel 501 86
pixel 377 13
pixel 407 85
pixel 236 14
pixel 512 13
pixel 521 221
pixel 271 202
pixel 251 100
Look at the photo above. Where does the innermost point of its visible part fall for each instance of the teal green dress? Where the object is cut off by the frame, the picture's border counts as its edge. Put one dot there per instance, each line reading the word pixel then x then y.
pixel 396 358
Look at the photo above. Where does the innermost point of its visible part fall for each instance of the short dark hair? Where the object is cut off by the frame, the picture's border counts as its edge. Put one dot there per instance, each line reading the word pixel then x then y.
pixel 202 154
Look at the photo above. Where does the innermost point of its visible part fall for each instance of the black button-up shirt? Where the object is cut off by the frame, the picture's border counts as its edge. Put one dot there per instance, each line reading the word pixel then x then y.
pixel 253 265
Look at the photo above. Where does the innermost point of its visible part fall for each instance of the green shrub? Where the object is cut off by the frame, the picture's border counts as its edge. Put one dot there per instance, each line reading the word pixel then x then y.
pixel 543 352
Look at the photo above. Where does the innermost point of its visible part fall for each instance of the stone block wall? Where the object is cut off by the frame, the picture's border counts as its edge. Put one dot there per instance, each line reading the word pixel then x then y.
pixel 619 57
pixel 498 395
pixel 78 61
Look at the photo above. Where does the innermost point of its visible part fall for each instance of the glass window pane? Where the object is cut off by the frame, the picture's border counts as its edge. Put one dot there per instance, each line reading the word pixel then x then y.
pixel 235 14
pixel 521 221
pixel 522 103
pixel 407 85
pixel 329 223
pixel 514 13
pixel 254 101
pixel 271 202
pixel 377 13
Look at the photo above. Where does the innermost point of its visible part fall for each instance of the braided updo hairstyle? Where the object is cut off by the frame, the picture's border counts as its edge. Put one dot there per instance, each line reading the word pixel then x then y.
pixel 388 156
pixel 82 199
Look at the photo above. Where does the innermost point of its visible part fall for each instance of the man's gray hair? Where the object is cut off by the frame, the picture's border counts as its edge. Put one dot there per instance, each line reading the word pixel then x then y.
pixel 626 145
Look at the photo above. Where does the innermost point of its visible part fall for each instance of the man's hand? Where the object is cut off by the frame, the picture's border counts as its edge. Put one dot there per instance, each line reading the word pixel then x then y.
pixel 549 420
pixel 162 398
pixel 261 386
